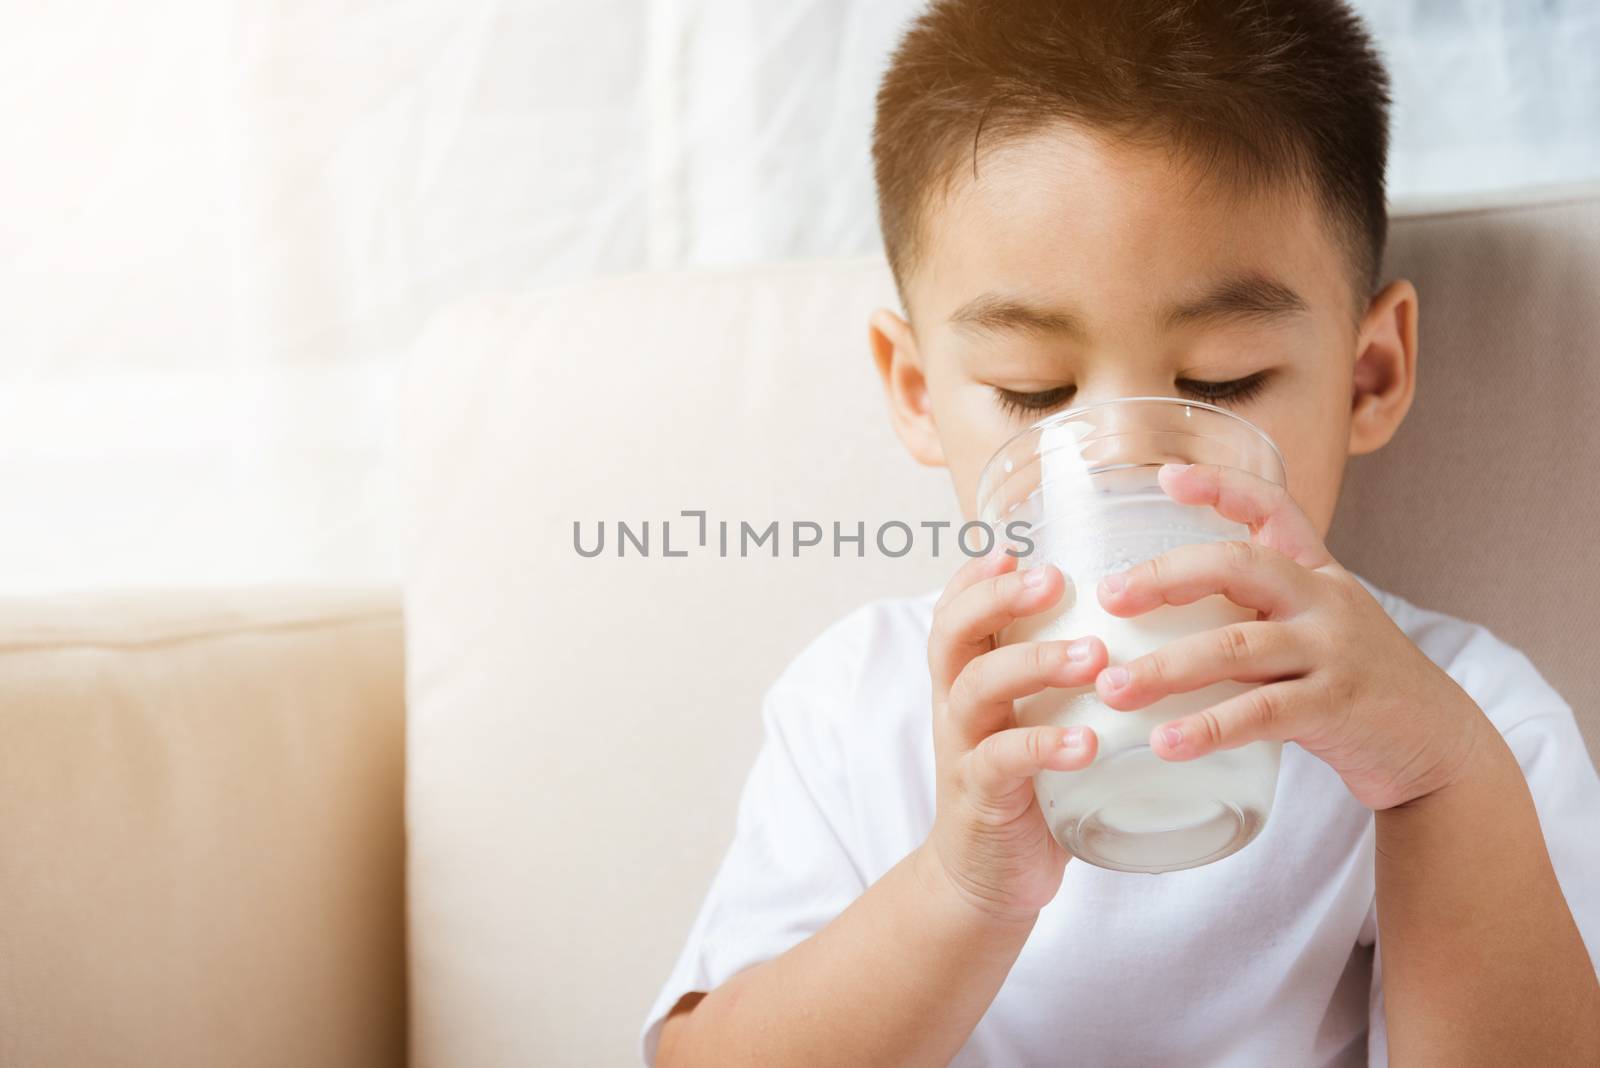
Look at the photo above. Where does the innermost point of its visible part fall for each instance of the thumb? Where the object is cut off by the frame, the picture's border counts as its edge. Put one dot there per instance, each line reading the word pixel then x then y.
pixel 1008 757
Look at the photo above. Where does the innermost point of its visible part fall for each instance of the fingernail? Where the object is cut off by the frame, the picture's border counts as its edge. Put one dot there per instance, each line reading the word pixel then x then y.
pixel 1113 583
pixel 1033 577
pixel 1079 650
pixel 1115 676
pixel 1073 738
pixel 1173 736
pixel 1178 468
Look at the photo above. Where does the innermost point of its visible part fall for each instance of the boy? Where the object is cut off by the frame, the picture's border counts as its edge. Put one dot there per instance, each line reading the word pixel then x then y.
pixel 1083 201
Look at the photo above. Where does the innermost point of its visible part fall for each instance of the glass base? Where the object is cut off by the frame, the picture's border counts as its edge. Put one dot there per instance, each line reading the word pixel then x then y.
pixel 1163 819
pixel 1200 835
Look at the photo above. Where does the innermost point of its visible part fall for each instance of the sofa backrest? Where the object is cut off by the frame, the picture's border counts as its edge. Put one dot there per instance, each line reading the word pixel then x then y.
pixel 1485 505
pixel 580 727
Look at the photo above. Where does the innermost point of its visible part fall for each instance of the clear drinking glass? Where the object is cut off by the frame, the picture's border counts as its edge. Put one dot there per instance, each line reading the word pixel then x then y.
pixel 1084 480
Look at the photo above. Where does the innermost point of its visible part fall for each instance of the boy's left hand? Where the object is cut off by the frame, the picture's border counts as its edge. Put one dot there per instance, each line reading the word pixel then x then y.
pixel 1337 675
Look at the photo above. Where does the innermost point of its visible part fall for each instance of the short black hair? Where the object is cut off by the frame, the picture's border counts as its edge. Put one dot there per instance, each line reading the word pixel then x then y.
pixel 1264 90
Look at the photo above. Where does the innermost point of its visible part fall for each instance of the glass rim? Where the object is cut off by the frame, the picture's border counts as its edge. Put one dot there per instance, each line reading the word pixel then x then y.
pixel 1064 414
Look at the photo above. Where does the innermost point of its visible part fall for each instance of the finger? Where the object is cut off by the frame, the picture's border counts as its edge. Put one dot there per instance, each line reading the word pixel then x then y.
pixel 978 569
pixel 967 624
pixel 1250 575
pixel 1274 518
pixel 980 699
pixel 1013 756
pixel 1271 713
pixel 994 562
pixel 1244 652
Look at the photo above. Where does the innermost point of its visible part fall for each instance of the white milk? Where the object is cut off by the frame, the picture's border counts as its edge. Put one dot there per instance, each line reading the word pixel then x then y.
pixel 1130 810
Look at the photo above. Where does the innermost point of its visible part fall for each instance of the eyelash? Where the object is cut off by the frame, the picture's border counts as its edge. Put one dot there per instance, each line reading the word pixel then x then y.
pixel 1236 391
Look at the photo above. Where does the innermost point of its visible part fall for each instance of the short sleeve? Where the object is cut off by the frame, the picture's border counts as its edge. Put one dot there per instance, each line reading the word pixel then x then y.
pixel 1542 733
pixel 1377 1025
pixel 790 868
pixel 1566 794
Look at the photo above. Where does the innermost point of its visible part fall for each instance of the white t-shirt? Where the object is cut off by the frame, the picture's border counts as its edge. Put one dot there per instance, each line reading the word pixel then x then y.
pixel 1264 958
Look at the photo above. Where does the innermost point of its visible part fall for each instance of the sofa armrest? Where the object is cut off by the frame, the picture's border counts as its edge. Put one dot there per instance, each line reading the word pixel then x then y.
pixel 202 830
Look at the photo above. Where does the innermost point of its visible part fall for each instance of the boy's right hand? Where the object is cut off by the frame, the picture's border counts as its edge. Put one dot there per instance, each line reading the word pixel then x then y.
pixel 989 841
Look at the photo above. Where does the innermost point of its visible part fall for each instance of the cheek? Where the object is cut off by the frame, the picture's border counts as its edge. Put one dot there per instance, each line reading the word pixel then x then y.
pixel 968 446
pixel 1324 439
pixel 1314 448
pixel 971 429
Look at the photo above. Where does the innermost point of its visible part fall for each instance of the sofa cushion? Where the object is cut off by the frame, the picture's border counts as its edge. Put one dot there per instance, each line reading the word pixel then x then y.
pixel 201 817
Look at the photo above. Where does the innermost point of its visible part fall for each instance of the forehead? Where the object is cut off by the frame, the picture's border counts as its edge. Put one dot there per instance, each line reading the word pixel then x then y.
pixel 1116 224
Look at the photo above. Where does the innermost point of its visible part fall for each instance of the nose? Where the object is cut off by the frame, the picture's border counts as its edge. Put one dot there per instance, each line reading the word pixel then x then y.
pixel 1147 430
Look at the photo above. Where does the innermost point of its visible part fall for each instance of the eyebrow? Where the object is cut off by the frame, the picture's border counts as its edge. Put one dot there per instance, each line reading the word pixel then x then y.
pixel 992 312
pixel 1250 296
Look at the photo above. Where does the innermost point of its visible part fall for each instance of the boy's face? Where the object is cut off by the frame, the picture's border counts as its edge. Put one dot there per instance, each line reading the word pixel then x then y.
pixel 1074 270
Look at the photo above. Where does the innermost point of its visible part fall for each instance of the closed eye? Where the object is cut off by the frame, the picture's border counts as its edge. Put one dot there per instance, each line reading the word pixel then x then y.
pixel 1236 391
pixel 1022 404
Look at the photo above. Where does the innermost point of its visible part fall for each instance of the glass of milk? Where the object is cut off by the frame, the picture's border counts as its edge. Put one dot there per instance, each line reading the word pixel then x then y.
pixel 1084 482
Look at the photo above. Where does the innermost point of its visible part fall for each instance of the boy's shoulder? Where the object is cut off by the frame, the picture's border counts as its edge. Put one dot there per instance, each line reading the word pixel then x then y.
pixel 880 632
pixel 874 656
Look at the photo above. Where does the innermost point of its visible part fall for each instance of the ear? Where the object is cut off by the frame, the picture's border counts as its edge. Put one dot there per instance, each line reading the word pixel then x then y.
pixel 1385 376
pixel 894 350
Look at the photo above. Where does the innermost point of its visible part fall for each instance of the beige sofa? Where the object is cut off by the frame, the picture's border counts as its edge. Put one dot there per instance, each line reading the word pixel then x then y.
pixel 221 844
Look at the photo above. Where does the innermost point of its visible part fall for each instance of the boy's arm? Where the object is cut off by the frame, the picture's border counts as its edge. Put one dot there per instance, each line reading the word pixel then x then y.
pixel 1483 963
pixel 906 971
pixel 901 976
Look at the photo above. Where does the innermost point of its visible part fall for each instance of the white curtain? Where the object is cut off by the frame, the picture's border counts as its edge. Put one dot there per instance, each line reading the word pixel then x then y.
pixel 223 222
